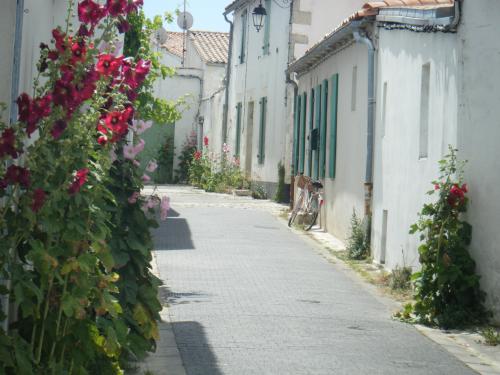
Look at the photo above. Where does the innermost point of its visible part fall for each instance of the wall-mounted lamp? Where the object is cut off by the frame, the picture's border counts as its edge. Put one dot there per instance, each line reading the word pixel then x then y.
pixel 258 15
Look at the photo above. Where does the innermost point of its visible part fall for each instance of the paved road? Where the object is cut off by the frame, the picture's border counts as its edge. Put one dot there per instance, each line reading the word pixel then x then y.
pixel 247 296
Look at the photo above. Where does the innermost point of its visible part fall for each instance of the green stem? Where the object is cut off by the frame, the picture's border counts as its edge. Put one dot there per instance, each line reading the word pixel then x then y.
pixel 45 314
pixel 59 316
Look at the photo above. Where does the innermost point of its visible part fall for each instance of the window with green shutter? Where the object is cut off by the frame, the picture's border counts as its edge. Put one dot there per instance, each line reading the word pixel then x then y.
pixel 302 137
pixel 262 130
pixel 317 125
pixel 239 109
pixel 244 18
pixel 322 134
pixel 267 29
pixel 296 130
pixel 311 127
pixel 333 125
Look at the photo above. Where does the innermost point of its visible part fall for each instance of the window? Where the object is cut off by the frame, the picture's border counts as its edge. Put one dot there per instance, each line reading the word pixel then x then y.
pixel 322 133
pixel 239 108
pixel 296 131
pixel 384 109
pixel 267 28
pixel 354 89
pixel 424 111
pixel 244 20
pixel 311 126
pixel 303 132
pixel 333 125
pixel 262 130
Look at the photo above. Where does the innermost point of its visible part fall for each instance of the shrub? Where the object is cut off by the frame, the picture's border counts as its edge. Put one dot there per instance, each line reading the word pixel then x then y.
pixel 165 162
pixel 258 191
pixel 186 158
pixel 280 195
pixel 358 243
pixel 447 288
pixel 400 278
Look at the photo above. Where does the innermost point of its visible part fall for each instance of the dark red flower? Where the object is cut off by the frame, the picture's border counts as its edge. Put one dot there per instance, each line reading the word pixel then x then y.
pixel 81 177
pixel 39 197
pixel 87 86
pixel 8 143
pixel 60 39
pixel 102 140
pixel 456 196
pixel 53 55
pixel 90 12
pixel 58 128
pixel 108 65
pixel 17 175
pixel 197 155
pixel 83 31
pixel 205 141
pixel 117 122
pixel 41 106
pixel 116 7
pixel 123 26
pixel 134 5
pixel 24 106
pixel 134 77
pixel 64 93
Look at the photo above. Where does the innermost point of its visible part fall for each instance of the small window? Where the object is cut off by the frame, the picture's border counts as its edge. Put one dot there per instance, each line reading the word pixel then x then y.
pixel 244 19
pixel 354 89
pixel 424 111
pixel 262 130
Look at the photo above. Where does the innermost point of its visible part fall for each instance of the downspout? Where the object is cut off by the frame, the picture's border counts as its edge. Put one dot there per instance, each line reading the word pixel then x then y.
pixel 361 37
pixel 227 80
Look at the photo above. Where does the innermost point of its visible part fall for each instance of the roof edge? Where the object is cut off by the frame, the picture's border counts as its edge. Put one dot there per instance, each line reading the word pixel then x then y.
pixel 235 5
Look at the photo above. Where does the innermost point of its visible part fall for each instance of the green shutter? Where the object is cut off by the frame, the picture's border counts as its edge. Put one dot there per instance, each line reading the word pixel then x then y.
pixel 317 124
pixel 243 36
pixel 262 130
pixel 302 137
pixel 322 143
pixel 267 30
pixel 311 126
pixel 296 134
pixel 238 129
pixel 333 125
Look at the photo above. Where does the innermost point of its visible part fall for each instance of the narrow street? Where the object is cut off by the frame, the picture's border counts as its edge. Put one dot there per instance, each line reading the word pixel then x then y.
pixel 248 296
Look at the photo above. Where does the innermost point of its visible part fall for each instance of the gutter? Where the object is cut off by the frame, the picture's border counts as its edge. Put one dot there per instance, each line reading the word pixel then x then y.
pixel 227 79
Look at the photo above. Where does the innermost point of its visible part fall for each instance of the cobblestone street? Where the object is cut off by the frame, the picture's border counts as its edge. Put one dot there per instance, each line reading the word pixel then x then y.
pixel 248 296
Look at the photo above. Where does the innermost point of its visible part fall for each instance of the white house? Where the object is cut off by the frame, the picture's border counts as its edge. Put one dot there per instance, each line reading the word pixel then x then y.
pixel 260 96
pixel 199 59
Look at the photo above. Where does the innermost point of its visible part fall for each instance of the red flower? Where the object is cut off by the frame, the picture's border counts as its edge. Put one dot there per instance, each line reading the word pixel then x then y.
pixel 116 7
pixel 205 141
pixel 24 106
pixel 78 52
pixel 87 86
pixel 102 140
pixel 197 155
pixel 117 122
pixel 17 175
pixel 8 143
pixel 83 31
pixel 41 106
pixel 465 188
pixel 134 5
pixel 456 196
pixel 58 128
pixel 109 65
pixel 90 12
pixel 64 93
pixel 80 179
pixel 39 197
pixel 135 77
pixel 60 38
pixel 123 26
pixel 436 187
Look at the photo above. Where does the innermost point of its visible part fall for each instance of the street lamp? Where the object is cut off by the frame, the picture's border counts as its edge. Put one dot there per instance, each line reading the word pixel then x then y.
pixel 258 14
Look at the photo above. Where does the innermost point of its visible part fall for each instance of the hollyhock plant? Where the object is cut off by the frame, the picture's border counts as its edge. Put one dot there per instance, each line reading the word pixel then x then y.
pixel 109 65
pixel 145 178
pixel 164 208
pixel 197 155
pixel 90 12
pixel 205 141
pixel 58 129
pixel 24 106
pixel 133 198
pixel 152 166
pixel 116 7
pixel 17 175
pixel 140 126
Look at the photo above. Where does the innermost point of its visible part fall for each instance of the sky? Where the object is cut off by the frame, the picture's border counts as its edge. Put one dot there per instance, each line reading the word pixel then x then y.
pixel 207 14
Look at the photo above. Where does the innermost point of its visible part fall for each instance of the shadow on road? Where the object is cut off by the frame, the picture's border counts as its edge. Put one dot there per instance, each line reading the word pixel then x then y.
pixel 173 234
pixel 195 350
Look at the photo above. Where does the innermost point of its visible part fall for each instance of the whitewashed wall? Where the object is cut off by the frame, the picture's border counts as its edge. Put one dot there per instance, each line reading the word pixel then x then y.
pixel 261 76
pixel 401 178
pixel 7 33
pixel 345 193
pixel 479 133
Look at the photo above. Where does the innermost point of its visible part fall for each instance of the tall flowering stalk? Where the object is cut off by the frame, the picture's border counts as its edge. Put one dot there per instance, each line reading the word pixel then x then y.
pixel 447 288
pixel 76 313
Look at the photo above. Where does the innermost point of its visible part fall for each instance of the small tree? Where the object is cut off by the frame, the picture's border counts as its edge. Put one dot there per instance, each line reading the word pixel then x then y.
pixel 447 287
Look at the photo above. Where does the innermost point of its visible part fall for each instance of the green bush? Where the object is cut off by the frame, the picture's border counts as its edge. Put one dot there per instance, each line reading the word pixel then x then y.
pixel 280 195
pixel 358 243
pixel 165 159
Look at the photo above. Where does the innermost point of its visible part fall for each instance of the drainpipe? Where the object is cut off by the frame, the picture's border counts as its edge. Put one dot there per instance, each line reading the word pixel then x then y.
pixel 361 37
pixel 227 80
pixel 292 80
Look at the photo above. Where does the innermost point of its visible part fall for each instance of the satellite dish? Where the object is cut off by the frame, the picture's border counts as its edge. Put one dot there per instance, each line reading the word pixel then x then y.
pixel 161 36
pixel 185 20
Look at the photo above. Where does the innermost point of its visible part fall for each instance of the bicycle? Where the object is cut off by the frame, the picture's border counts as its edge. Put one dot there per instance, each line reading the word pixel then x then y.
pixel 309 201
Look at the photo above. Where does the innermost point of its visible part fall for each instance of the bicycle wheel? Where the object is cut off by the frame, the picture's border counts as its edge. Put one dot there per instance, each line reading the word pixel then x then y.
pixel 312 212
pixel 296 210
pixel 313 221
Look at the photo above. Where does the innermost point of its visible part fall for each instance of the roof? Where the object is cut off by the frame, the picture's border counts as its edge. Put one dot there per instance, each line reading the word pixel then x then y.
pixel 234 5
pixel 385 11
pixel 212 47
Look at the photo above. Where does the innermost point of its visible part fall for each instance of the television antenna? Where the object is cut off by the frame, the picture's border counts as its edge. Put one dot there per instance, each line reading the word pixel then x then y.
pixel 185 22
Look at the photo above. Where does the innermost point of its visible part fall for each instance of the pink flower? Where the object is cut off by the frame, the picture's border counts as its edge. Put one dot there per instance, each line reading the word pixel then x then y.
pixel 130 151
pixel 140 126
pixel 136 163
pixel 164 208
pixel 152 165
pixel 225 148
pixel 133 198
pixel 152 202
pixel 145 178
